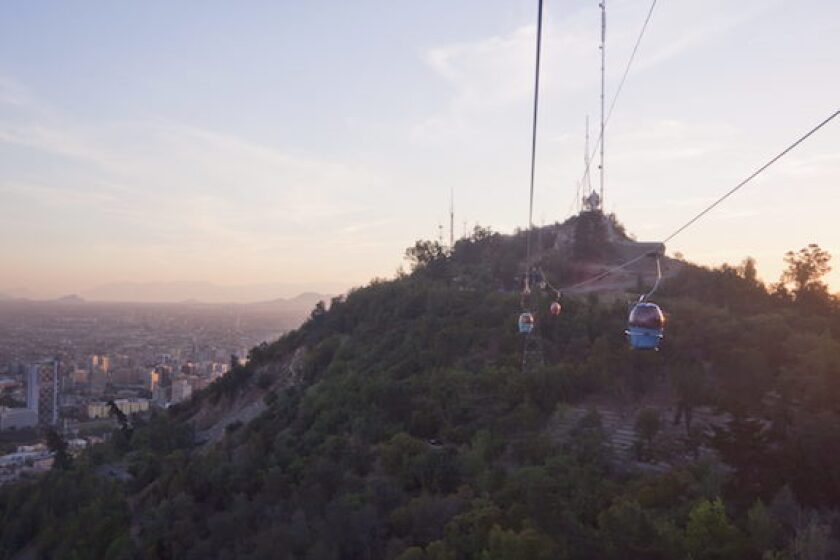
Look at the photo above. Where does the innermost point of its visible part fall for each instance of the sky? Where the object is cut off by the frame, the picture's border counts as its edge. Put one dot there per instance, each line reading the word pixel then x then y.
pixel 307 144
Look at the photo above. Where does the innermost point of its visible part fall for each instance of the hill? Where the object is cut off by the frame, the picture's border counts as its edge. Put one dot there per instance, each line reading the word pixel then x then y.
pixel 400 423
pixel 71 299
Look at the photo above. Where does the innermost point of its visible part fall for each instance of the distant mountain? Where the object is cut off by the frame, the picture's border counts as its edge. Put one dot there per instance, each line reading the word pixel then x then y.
pixel 72 298
pixel 14 293
pixel 299 305
pixel 306 298
pixel 206 292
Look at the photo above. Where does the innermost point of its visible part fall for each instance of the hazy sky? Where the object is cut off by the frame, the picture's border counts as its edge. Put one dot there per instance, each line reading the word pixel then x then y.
pixel 311 142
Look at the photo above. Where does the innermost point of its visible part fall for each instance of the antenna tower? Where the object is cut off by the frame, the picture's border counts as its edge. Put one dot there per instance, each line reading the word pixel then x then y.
pixel 451 217
pixel 587 185
pixel 603 6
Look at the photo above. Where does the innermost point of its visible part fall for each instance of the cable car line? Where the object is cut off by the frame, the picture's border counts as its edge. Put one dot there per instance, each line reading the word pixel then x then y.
pixel 606 273
pixel 547 283
pixel 532 356
pixel 753 176
pixel 534 139
pixel 706 210
pixel 526 319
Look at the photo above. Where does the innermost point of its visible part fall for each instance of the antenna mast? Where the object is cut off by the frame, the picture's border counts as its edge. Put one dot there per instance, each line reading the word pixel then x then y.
pixel 451 217
pixel 587 177
pixel 603 6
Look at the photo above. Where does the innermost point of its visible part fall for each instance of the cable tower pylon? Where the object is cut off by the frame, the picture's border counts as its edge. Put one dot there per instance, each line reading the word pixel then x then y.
pixel 532 354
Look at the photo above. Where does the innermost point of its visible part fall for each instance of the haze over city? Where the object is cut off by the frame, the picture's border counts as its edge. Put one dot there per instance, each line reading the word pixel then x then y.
pixel 305 145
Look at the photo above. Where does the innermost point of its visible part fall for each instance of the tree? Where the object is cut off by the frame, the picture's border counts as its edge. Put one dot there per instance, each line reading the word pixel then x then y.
pixel 424 254
pixel 744 444
pixel 58 447
pixel 121 438
pixel 805 268
pixel 319 310
pixel 528 544
pixel 691 384
pixel 763 530
pixel 412 553
pixel 122 419
pixel 468 532
pixel 648 425
pixel 748 271
pixel 709 533
pixel 627 531
pixel 812 541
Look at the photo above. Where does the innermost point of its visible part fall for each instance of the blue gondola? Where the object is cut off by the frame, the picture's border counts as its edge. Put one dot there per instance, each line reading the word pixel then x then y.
pixel 647 322
pixel 645 326
pixel 526 323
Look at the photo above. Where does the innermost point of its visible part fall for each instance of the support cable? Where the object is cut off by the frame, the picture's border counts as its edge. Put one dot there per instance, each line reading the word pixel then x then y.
pixel 533 144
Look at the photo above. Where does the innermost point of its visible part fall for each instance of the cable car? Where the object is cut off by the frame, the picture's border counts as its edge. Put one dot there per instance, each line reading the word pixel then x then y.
pixel 645 326
pixel 526 323
pixel 555 308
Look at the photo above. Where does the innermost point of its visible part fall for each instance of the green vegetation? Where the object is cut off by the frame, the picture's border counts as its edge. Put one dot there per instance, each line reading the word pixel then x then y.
pixel 414 434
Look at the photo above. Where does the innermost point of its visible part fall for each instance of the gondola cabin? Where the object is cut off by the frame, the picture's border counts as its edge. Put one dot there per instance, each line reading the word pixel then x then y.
pixel 645 326
pixel 526 323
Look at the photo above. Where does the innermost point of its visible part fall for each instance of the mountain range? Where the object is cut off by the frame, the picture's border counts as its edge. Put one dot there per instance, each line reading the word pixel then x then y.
pixel 196 292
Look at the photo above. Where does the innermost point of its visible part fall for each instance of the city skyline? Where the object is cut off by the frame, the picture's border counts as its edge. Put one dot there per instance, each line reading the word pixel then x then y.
pixel 310 144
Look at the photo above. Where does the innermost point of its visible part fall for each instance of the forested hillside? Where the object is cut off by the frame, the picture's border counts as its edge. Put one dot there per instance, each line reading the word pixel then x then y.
pixel 412 432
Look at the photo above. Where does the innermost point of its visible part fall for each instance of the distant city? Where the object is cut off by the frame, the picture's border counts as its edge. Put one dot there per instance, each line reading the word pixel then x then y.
pixel 66 363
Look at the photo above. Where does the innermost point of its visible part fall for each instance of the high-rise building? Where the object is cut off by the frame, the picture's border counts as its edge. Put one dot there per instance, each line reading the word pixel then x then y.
pixel 32 387
pixel 161 395
pixel 164 375
pixel 154 380
pixel 100 362
pixel 42 391
pixel 80 377
pixel 181 390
